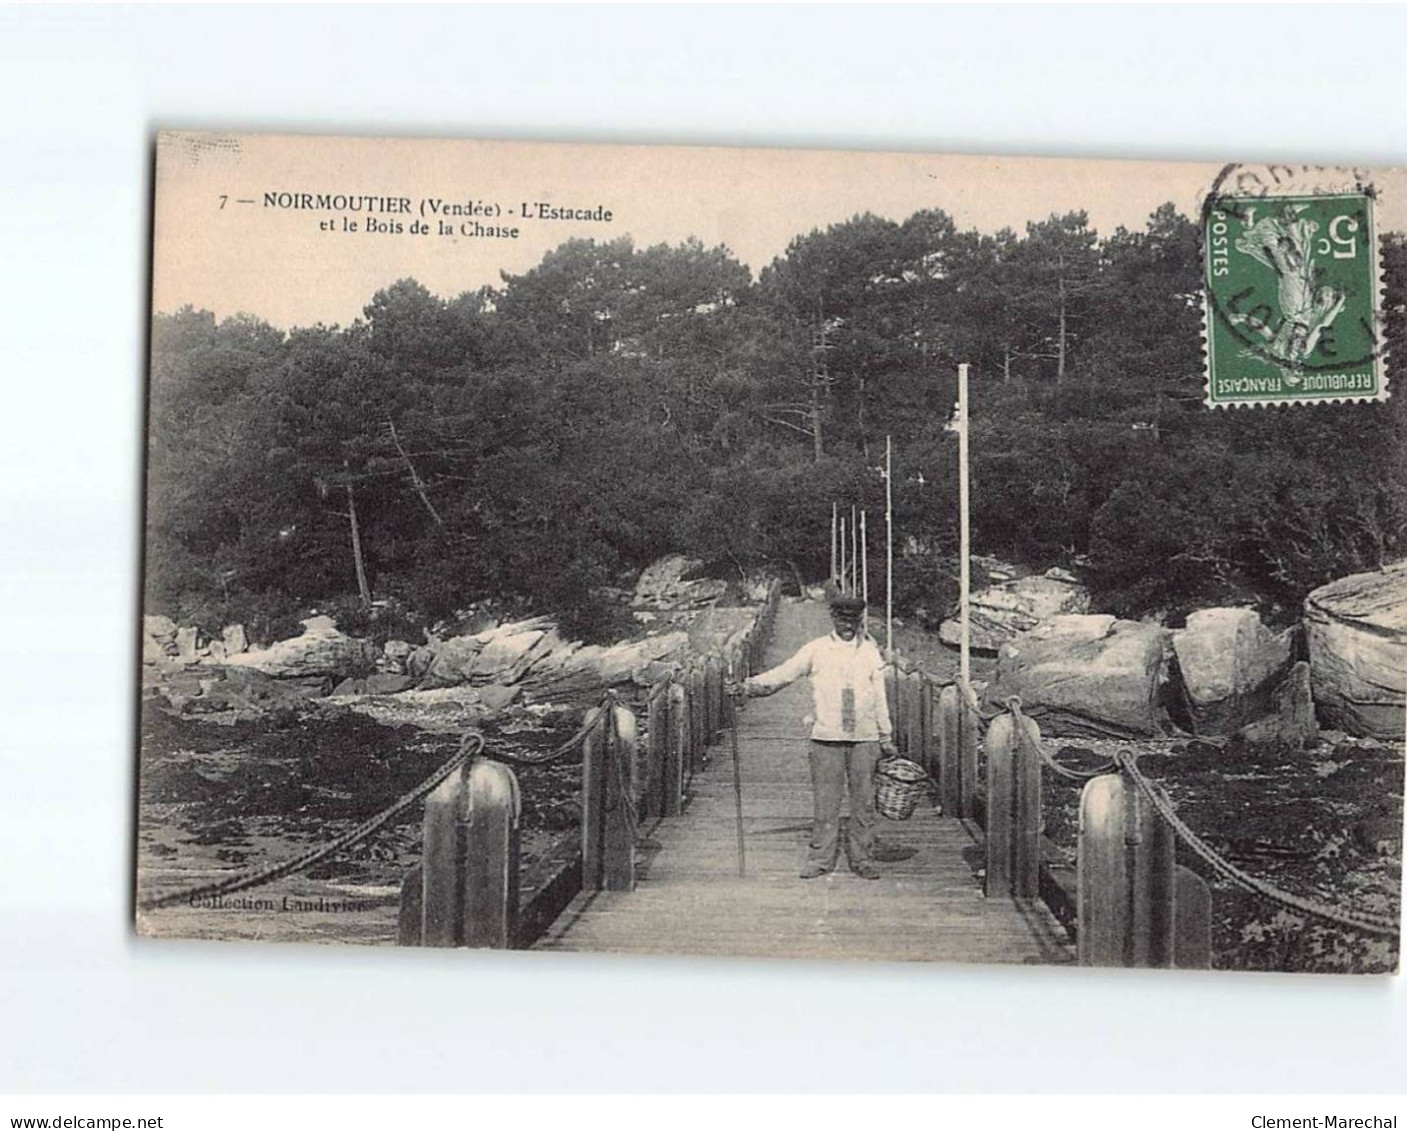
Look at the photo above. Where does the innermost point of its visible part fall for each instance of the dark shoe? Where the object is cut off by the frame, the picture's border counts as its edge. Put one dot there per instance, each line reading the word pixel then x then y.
pixel 813 871
pixel 865 871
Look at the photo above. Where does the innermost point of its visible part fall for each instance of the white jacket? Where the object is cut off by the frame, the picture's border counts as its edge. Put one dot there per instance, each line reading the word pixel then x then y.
pixel 847 687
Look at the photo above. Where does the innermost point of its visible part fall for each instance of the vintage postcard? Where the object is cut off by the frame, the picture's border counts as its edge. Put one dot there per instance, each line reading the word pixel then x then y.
pixel 775 553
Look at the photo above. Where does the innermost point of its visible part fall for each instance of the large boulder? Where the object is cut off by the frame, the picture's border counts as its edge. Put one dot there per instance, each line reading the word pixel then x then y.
pixel 230 695
pixel 662 586
pixel 495 655
pixel 380 683
pixel 1086 676
pixel 158 639
pixel 394 654
pixel 445 663
pixel 1231 665
pixel 593 668
pixel 503 651
pixel 1291 725
pixel 187 644
pixel 418 662
pixel 235 639
pixel 321 651
pixel 1004 610
pixel 1357 629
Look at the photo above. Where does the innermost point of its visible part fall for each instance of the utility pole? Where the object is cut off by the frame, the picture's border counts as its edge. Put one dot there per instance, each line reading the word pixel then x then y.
pixel 835 508
pixel 965 535
pixel 889 546
pixel 865 572
pixel 840 580
pixel 854 550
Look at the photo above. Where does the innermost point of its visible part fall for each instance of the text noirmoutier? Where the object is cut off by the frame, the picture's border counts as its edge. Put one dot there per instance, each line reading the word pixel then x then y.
pixel 462 217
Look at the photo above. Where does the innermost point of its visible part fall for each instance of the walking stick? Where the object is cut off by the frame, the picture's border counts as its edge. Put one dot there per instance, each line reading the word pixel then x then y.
pixel 738 788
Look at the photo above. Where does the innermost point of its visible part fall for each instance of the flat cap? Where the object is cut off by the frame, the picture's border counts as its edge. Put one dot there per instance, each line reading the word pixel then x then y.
pixel 844 603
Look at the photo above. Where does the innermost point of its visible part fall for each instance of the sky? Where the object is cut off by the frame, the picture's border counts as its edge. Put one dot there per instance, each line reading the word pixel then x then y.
pixel 230 238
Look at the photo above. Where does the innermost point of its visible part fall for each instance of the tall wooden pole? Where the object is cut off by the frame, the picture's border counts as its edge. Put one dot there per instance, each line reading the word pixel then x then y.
pixel 854 551
pixel 889 547
pixel 835 508
pixel 864 573
pixel 840 580
pixel 965 538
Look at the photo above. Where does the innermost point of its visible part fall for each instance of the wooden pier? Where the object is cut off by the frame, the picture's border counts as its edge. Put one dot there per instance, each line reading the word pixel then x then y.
pixel 928 904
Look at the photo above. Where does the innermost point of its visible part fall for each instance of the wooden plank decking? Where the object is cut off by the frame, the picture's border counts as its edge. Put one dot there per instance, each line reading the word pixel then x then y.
pixel 690 899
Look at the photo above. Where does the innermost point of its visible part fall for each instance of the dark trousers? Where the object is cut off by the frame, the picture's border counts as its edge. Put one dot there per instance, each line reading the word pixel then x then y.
pixel 834 766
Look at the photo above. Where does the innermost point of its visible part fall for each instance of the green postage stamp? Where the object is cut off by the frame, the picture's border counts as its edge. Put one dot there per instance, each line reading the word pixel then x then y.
pixel 1293 299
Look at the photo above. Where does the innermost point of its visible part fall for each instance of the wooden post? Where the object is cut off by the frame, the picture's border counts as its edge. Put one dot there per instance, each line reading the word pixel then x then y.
pixel 618 847
pixel 1026 822
pixel 676 750
pixel 891 695
pixel 889 546
pixel 1013 810
pixel 698 725
pixel 442 912
pixel 913 717
pixel 854 551
pixel 964 537
pixel 929 709
pixel 720 693
pixel 593 802
pixel 968 738
pixel 491 856
pixel 1153 848
pixel 1102 883
pixel 410 922
pixel 469 874
pixel 864 575
pixel 1125 878
pixel 840 582
pixel 656 742
pixel 835 561
pixel 950 750
pixel 1192 921
pixel 710 703
pixel 1001 795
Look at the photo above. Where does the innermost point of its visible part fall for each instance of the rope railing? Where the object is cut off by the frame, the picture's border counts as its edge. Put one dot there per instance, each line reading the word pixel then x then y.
pixel 602 718
pixel 471 745
pixel 1116 817
pixel 1365 922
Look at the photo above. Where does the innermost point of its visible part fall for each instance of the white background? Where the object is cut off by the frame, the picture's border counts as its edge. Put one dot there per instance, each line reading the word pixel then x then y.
pixel 84 1006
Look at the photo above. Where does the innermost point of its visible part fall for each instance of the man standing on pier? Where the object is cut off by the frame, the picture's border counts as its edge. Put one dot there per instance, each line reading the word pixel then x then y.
pixel 850 731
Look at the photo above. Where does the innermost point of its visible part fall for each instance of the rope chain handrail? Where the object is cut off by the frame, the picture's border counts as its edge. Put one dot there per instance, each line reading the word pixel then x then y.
pixel 472 739
pixel 592 719
pixel 1023 736
pixel 1127 762
pixel 279 869
pixel 1356 920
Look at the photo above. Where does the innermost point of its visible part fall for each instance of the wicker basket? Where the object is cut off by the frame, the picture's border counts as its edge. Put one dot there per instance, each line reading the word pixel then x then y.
pixel 899 784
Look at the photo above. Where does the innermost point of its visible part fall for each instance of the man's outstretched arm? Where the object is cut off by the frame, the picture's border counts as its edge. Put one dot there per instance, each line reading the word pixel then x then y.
pixel 788 671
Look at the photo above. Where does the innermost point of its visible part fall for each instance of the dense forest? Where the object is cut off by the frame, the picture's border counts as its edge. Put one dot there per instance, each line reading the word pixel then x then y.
pixel 536 441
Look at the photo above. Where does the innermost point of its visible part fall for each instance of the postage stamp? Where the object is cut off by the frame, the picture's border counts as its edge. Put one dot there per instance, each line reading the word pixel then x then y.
pixel 1294 309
